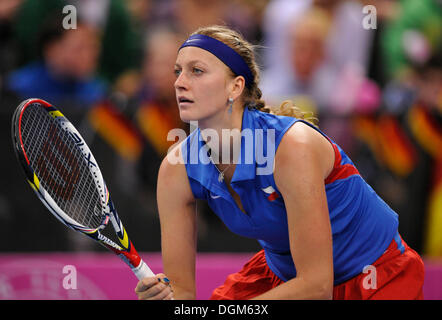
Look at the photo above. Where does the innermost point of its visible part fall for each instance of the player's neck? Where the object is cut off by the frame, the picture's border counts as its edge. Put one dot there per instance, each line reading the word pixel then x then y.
pixel 223 136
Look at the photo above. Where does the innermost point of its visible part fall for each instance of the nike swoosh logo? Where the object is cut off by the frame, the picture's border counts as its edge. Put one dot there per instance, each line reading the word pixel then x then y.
pixel 268 190
pixel 272 194
pixel 214 197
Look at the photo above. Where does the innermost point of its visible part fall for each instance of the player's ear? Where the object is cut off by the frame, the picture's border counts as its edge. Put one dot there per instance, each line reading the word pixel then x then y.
pixel 237 87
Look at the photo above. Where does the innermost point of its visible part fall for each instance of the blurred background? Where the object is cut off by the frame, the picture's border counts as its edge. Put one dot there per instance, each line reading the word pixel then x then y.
pixel 369 70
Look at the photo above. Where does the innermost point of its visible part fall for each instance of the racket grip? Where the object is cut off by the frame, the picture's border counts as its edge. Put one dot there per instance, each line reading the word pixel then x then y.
pixel 142 271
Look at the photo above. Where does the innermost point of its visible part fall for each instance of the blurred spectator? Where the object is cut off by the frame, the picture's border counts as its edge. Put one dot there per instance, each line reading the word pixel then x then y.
pixel 342 43
pixel 9 48
pixel 65 75
pixel 186 16
pixel 110 17
pixel 319 59
pixel 141 14
pixel 307 49
pixel 157 111
pixel 386 11
pixel 247 16
pixel 137 130
pixel 121 42
pixel 411 38
pixel 405 137
pixel 400 152
pixel 28 23
pixel 277 17
pixel 426 126
pixel 193 14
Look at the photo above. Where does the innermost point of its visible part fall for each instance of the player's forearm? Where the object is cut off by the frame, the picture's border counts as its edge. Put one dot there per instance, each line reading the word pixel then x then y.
pixel 182 278
pixel 179 267
pixel 299 289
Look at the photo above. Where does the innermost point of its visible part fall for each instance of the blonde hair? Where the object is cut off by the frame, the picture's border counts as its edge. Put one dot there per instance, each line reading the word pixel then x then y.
pixel 316 21
pixel 252 95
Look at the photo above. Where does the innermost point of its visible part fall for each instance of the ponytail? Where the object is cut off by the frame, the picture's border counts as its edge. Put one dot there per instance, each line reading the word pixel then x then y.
pixel 288 109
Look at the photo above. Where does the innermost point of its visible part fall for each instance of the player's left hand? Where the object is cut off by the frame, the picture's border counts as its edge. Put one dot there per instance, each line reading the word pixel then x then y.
pixel 154 288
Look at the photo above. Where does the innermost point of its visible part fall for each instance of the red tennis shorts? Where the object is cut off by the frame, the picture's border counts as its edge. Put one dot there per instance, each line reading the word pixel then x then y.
pixel 397 275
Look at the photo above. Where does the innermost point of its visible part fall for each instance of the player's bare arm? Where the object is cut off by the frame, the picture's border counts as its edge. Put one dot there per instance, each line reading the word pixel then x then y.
pixel 177 210
pixel 302 162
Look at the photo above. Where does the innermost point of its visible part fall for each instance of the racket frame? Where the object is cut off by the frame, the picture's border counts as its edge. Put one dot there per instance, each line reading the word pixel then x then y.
pixel 125 249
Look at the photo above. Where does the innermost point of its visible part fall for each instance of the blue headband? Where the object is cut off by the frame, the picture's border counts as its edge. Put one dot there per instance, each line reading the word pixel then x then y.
pixel 223 52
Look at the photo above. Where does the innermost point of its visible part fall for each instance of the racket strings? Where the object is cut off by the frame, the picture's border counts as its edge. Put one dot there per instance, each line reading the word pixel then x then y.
pixel 61 166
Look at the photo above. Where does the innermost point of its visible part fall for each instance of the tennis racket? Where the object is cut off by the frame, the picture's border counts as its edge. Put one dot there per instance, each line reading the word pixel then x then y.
pixel 65 176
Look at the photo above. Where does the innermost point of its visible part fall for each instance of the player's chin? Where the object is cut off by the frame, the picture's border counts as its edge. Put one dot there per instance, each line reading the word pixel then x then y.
pixel 187 115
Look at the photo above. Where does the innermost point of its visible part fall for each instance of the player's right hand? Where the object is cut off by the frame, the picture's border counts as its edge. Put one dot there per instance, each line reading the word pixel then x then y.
pixel 154 288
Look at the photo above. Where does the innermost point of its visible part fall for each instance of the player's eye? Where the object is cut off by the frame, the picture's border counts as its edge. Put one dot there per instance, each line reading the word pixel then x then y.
pixel 197 70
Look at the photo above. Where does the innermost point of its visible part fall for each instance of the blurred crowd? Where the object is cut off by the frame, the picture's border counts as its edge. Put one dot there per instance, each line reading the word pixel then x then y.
pixel 370 71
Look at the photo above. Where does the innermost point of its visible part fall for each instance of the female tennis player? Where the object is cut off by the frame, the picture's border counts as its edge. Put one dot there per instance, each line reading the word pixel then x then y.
pixel 325 234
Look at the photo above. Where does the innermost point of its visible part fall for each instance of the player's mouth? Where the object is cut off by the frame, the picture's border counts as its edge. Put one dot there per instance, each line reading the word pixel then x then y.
pixel 184 101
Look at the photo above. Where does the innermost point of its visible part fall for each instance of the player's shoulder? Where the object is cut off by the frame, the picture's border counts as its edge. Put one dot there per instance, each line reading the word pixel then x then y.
pixel 173 162
pixel 173 165
pixel 302 141
pixel 172 175
pixel 301 132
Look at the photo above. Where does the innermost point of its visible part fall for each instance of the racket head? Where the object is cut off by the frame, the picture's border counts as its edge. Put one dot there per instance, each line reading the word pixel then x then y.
pixel 59 166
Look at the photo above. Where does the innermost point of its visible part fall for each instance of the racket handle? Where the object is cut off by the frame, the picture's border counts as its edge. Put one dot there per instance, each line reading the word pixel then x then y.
pixel 143 271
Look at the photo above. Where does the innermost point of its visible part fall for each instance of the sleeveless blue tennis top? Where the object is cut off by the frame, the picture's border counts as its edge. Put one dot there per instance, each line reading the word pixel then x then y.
pixel 362 224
